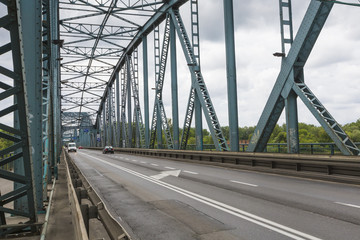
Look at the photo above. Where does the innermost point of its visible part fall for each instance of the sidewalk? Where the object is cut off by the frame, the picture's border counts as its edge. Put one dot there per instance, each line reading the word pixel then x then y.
pixel 60 224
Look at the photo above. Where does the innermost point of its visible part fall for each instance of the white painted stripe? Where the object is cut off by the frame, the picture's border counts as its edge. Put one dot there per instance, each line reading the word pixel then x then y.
pixel 348 204
pixel 153 164
pixel 98 172
pixel 244 183
pixel 171 168
pixel 127 159
pixel 191 172
pixel 287 231
pixel 144 162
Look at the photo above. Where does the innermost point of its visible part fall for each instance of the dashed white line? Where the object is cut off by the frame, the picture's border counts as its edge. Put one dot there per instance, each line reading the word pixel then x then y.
pixel 244 183
pixel 127 159
pixel 153 164
pixel 190 172
pixel 134 160
pixel 348 204
pixel 171 168
pixel 143 162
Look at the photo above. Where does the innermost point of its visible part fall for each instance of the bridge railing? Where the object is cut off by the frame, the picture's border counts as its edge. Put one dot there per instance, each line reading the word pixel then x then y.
pixel 305 148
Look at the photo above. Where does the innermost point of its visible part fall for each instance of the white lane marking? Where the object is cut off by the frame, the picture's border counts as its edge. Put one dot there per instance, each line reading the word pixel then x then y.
pixel 121 157
pixel 143 162
pixel 171 168
pixel 134 160
pixel 98 172
pixel 244 183
pixel 287 231
pixel 163 174
pixel 127 159
pixel 348 204
pixel 153 164
pixel 190 172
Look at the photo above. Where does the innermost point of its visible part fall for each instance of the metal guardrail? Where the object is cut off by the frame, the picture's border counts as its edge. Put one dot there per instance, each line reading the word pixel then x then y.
pixel 79 189
pixel 345 169
pixel 305 148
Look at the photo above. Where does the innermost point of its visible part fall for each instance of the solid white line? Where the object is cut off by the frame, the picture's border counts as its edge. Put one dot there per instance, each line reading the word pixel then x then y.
pixel 171 168
pixel 153 164
pixel 290 232
pixel 190 172
pixel 348 204
pixel 244 183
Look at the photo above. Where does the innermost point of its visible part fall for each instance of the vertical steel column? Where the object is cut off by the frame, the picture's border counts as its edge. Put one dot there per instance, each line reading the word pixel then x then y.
pixel 174 89
pixel 158 128
pixel 146 91
pixel 123 107
pixel 31 22
pixel 128 82
pixel 110 111
pixel 104 126
pixel 157 61
pixel 231 75
pixel 46 108
pixel 286 28
pixel 55 56
pixel 118 110
pixel 98 132
pixel 196 48
pixel 198 124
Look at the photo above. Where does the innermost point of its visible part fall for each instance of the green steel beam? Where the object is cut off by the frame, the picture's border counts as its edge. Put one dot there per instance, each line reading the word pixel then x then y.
pixel 23 177
pixel 231 75
pixel 305 39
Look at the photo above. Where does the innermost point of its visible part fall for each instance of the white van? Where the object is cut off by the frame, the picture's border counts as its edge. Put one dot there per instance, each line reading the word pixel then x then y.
pixel 71 147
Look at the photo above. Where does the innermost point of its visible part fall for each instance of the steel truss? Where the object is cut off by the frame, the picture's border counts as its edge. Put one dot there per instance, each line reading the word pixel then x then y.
pixel 22 90
pixel 159 120
pixel 290 84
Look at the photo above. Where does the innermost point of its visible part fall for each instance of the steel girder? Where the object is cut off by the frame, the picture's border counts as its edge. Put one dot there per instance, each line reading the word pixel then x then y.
pixel 15 87
pixel 198 84
pixel 159 115
pixel 231 75
pixel 291 80
pixel 137 110
pixel 90 49
pixel 146 28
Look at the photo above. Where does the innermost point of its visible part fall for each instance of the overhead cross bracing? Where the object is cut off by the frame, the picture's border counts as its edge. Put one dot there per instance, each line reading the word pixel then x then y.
pixel 90 50
pixel 120 23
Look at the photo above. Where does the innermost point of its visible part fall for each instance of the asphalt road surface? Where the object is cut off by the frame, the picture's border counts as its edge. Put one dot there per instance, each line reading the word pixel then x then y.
pixel 159 199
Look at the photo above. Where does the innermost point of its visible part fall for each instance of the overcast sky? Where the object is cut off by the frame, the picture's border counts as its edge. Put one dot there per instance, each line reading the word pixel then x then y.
pixel 332 71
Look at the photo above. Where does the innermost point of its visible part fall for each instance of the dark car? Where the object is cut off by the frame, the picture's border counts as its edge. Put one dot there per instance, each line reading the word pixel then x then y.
pixel 108 149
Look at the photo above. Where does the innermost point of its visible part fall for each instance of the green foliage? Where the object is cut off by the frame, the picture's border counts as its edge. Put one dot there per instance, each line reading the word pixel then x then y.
pixel 4 143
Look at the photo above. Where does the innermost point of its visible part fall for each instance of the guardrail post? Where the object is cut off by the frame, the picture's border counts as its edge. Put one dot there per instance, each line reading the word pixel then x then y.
pixel 85 214
pixel 332 148
pixel 312 148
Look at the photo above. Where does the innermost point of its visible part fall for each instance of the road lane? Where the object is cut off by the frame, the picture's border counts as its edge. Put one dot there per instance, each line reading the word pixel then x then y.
pixel 228 204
